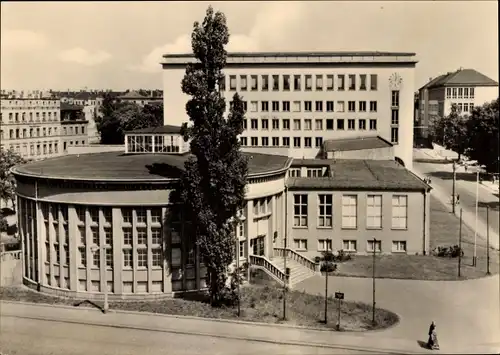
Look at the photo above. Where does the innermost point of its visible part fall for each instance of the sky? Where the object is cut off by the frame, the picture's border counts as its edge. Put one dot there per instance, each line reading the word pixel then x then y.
pixel 119 45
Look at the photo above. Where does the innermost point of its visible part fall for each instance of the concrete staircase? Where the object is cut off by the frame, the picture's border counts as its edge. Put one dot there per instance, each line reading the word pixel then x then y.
pixel 298 272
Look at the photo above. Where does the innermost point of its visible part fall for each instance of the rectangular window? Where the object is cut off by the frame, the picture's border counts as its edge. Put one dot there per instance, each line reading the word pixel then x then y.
pixel 254 124
pixel 395 98
pixel 222 83
pixel 374 211
pixel 318 124
pixel 373 82
pixel 466 93
pixel 362 124
pixel 265 124
pixel 276 82
pixel 448 93
pixel 319 142
pixel 156 236
pixel 471 93
pixel 141 215
pixel 308 106
pixel 362 106
pixel 96 258
pixel 243 141
pixel 254 106
pixel 127 236
pixel 352 82
pixel 325 210
pixel 319 82
pixel 349 212
pixel 276 106
pixel 329 82
pixel 307 124
pixel 83 256
pixel 300 210
pixel 142 236
pixel 395 117
pixel 286 106
pixel 308 82
pixel 254 141
pixel 374 246
pixel 351 124
pixel 324 244
pixel 399 212
pixel 142 258
pixel 296 142
pixel 314 172
pixel 329 106
pixel 276 141
pixel 286 124
pixel 394 135
pixel 127 258
pixel 300 244
pixel 341 82
pixel 340 106
pixel 296 83
pixel 276 123
pixel 108 237
pixel 349 245
pixel 264 106
pixel 399 246
pixel 351 106
pixel 296 106
pixel 109 258
pixel 340 124
pixel 254 82
pixel 232 82
pixel 373 124
pixel 127 215
pixel 286 141
pixel 319 106
pixel 243 82
pixel 373 106
pixel 94 214
pixel 265 141
pixel 156 215
pixel 329 124
pixel 454 91
pixel 265 82
pixel 157 259
pixel 95 236
pixel 460 93
pixel 307 142
pixel 362 82
pixel 286 82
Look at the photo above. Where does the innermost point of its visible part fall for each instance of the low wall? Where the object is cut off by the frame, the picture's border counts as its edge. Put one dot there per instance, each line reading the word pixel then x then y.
pixel 95 148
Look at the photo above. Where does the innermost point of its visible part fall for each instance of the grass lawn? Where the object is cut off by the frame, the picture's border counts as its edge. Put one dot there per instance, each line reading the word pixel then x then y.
pixel 258 304
pixel 444 231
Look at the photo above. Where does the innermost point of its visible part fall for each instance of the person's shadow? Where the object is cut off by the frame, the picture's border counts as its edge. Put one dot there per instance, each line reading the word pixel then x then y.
pixel 423 344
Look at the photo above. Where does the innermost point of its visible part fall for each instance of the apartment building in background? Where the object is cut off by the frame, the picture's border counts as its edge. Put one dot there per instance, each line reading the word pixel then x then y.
pixel 30 124
pixel 74 126
pixel 465 87
pixel 299 101
pixel 140 99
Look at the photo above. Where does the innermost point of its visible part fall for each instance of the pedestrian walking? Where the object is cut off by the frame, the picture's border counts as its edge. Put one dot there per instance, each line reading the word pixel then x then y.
pixel 458 199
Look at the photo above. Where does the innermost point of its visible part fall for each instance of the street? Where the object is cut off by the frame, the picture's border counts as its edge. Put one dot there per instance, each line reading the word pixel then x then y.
pixel 29 337
pixel 441 176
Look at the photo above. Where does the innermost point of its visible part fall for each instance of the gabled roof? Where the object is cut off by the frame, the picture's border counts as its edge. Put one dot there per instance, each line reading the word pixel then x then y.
pixel 132 95
pixel 358 143
pixel 461 77
pixel 368 175
pixel 161 129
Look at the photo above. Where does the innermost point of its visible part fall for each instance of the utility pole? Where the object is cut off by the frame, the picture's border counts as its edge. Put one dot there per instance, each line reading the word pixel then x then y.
pixel 285 282
pixel 238 273
pixel 453 192
pixel 326 281
pixel 460 244
pixel 487 240
pixel 373 279
pixel 474 258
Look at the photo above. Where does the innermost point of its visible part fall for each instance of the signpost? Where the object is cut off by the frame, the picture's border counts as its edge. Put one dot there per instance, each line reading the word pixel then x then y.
pixel 340 297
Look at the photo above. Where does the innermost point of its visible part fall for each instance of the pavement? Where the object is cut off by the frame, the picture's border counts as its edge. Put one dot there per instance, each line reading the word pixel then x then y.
pixel 441 182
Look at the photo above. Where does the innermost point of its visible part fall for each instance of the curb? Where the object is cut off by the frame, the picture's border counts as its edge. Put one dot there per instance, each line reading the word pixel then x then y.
pixel 358 333
pixel 255 339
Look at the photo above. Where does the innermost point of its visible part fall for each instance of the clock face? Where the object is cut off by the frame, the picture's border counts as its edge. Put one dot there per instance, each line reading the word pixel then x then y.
pixel 395 81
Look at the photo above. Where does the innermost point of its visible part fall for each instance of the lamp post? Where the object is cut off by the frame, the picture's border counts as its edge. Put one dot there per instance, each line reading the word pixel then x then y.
pixel 237 257
pixel 327 265
pixel 454 166
pixel 373 280
pixel 102 251
pixel 474 259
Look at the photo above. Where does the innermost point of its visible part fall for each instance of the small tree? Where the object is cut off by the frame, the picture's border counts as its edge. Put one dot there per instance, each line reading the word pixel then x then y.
pixel 435 129
pixel 8 159
pixel 484 136
pixel 455 131
pixel 107 123
pixel 212 187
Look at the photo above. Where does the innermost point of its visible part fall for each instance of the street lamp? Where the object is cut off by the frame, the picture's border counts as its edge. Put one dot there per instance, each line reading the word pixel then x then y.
pixel 327 269
pixel 479 167
pixel 237 257
pixel 102 251
pixel 373 280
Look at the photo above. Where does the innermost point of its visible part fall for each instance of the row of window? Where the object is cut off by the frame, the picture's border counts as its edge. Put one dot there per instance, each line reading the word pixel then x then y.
pixel 46 116
pixel 28 102
pixel 399 215
pixel 318 123
pixel 350 245
pixel 43 132
pixel 298 142
pixel 35 149
pixel 465 107
pixel 286 82
pixel 128 258
pixel 459 93
pixel 153 143
pixel 307 106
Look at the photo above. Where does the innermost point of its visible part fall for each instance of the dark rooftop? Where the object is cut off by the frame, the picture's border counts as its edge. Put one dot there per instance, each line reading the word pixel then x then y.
pixel 133 95
pixel 357 143
pixel 161 129
pixel 304 53
pixel 362 175
pixel 118 166
pixel 69 107
pixel 470 77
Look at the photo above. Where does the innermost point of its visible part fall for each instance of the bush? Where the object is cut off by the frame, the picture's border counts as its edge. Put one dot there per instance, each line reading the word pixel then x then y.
pixel 452 251
pixel 342 256
pixel 317 259
pixel 328 267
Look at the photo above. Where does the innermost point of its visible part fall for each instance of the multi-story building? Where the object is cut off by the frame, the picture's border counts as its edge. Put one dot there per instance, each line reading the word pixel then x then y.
pixel 301 100
pixel 74 126
pixel 81 234
pixel 31 126
pixel 465 87
pixel 139 99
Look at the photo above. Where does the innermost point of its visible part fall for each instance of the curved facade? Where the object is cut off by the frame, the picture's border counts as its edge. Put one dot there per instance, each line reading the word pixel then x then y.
pixel 82 234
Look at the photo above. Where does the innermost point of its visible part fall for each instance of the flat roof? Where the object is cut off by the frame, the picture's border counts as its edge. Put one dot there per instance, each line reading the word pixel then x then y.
pixel 356 143
pixel 156 130
pixel 118 166
pixel 352 174
pixel 303 54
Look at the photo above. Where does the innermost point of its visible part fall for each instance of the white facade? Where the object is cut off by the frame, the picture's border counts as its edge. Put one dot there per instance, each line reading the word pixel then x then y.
pixel 329 115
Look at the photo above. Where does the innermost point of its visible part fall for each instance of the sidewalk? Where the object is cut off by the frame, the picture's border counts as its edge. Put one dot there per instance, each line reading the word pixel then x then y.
pixel 366 342
pixel 468 217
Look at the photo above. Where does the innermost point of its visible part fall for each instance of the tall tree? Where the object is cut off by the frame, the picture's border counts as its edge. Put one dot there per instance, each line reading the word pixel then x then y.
pixel 107 124
pixel 152 114
pixel 484 136
pixel 8 159
pixel 212 186
pixel 455 131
